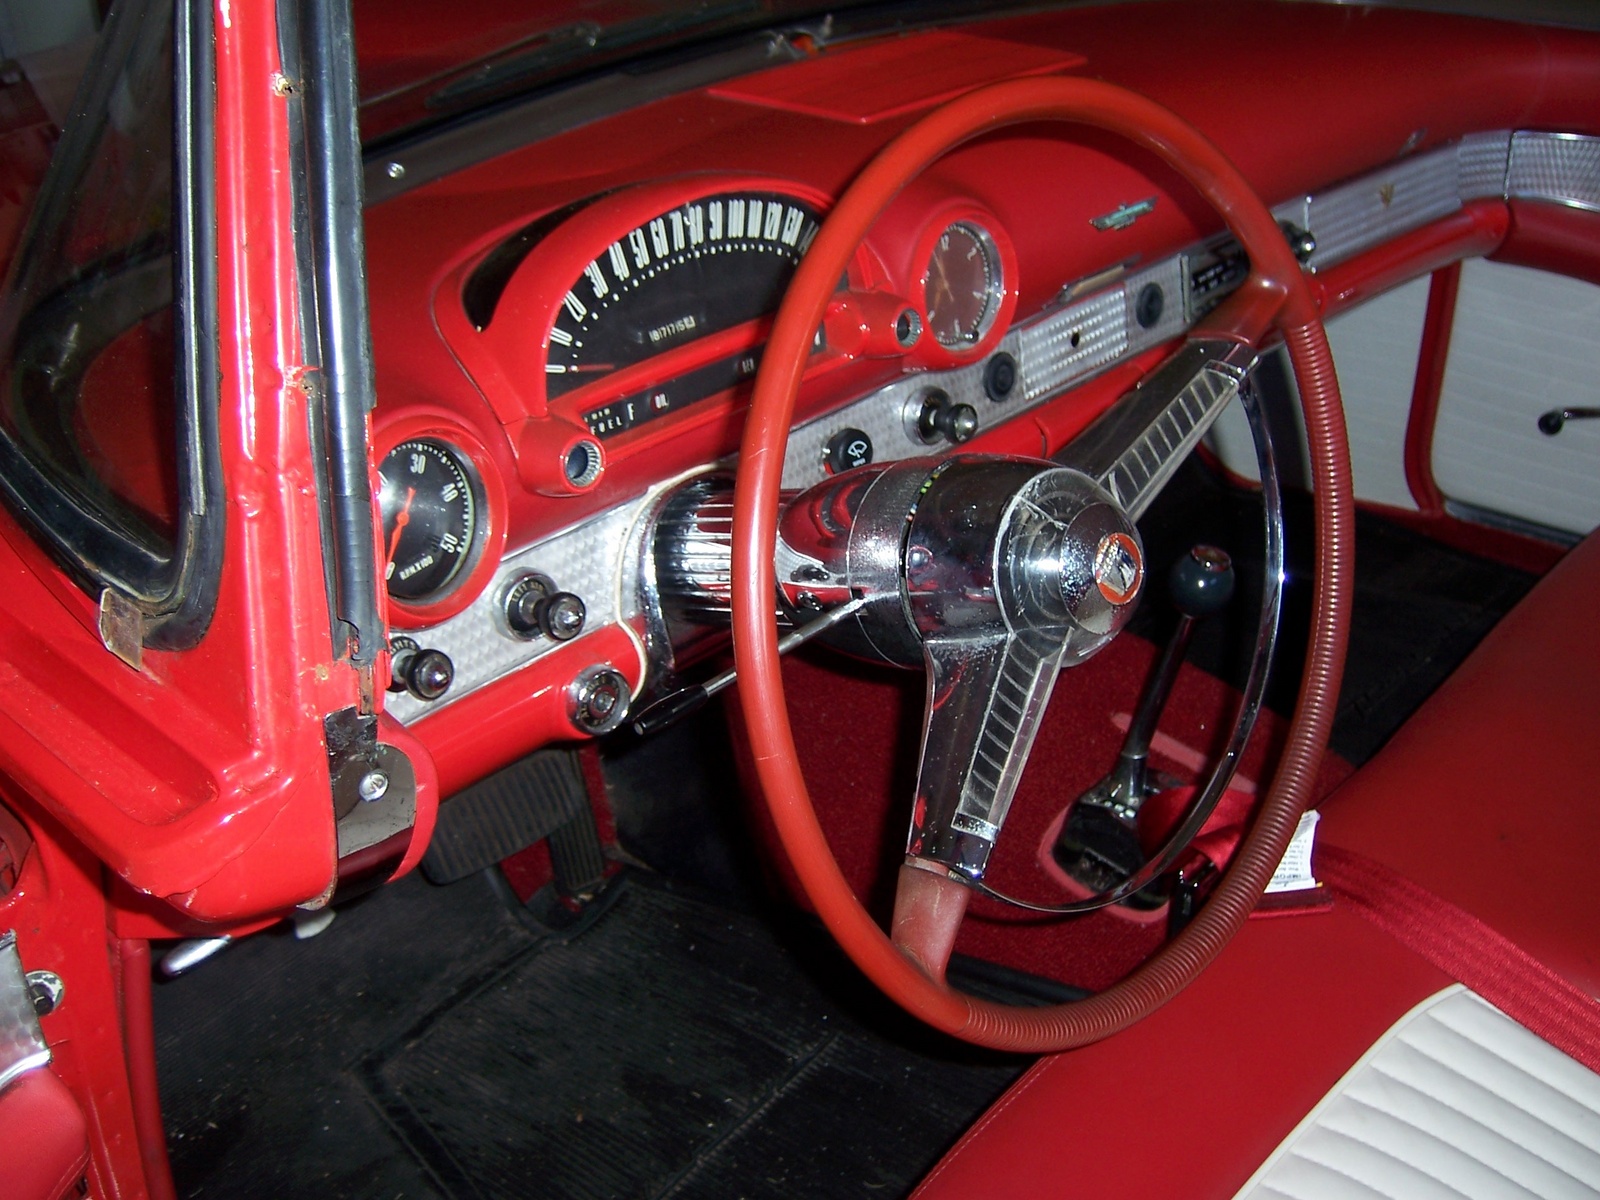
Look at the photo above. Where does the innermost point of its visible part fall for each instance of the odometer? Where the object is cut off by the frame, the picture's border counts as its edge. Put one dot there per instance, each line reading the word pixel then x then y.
pixel 431 507
pixel 709 265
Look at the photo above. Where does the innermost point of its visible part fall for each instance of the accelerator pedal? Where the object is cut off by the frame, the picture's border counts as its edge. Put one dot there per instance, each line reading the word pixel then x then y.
pixel 540 796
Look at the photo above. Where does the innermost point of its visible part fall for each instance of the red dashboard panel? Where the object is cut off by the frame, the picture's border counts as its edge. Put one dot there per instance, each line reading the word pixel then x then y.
pixel 553 227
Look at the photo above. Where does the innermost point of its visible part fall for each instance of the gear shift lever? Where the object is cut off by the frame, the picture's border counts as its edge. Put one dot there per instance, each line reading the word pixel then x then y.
pixel 1099 841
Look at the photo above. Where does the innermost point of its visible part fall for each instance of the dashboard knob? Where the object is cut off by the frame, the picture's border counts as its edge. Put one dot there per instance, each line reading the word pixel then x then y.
pixel 561 616
pixel 958 422
pixel 847 449
pixel 426 674
pixel 597 700
pixel 942 417
pixel 522 605
pixel 1000 377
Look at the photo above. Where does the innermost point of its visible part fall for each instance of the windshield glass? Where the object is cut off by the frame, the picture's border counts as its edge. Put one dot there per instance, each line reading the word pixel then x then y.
pixel 87 394
pixel 421 62
pixel 107 443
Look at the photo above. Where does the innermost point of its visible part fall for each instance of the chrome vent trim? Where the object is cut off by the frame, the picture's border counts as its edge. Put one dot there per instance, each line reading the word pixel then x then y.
pixel 1482 161
pixel 1072 343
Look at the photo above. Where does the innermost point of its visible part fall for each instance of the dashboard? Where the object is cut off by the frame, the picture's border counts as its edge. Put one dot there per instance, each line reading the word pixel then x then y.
pixel 561 347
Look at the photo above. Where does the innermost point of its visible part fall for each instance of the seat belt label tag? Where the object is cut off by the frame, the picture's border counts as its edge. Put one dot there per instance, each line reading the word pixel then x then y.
pixel 1294 872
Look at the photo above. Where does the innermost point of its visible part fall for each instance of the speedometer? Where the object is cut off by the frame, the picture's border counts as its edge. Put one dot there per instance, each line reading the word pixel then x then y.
pixel 709 265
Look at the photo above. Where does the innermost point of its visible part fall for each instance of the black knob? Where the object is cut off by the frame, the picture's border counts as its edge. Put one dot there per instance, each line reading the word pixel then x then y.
pixel 1201 581
pixel 847 449
pixel 943 417
pixel 522 607
pixel 1149 305
pixel 958 422
pixel 1000 377
pixel 1302 241
pixel 522 604
pixel 561 616
pixel 426 674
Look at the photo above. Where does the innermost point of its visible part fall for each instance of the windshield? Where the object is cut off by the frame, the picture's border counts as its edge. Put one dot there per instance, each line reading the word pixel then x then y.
pixel 421 62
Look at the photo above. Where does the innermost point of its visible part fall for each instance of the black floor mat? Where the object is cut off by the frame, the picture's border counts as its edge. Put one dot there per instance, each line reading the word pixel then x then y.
pixel 673 1048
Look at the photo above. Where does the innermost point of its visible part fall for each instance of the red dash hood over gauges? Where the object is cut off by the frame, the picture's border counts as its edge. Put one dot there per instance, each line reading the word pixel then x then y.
pixel 631 309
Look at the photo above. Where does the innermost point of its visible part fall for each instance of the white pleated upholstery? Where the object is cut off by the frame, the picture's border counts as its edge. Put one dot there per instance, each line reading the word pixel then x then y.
pixel 1456 1100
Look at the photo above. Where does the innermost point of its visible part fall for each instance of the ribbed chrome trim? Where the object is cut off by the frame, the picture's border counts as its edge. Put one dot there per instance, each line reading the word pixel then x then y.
pixel 693 551
pixel 1073 342
pixel 1482 160
pixel 1563 168
pixel 1356 216
pixel 1149 462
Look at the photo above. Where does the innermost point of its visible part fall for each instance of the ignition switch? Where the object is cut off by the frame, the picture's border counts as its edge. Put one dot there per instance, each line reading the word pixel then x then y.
pixel 597 700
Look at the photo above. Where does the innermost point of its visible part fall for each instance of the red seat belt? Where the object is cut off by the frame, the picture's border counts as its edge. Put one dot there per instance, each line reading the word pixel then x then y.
pixel 1468 950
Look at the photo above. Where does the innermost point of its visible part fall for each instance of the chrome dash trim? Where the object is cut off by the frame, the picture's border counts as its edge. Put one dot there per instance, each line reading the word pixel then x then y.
pixel 1560 168
pixel 586 558
pixel 1358 215
pixel 22 1044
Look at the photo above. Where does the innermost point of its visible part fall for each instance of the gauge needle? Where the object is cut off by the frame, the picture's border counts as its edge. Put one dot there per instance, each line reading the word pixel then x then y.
pixel 578 369
pixel 401 520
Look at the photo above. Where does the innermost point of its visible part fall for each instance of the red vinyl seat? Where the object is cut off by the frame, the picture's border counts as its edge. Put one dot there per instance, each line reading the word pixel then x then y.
pixel 1485 798
pixel 46 1139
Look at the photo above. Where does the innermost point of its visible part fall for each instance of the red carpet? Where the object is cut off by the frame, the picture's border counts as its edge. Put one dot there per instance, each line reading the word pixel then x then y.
pixel 858 730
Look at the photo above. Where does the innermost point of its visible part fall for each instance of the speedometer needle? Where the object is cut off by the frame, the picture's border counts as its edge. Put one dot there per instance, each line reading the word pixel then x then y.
pixel 401 520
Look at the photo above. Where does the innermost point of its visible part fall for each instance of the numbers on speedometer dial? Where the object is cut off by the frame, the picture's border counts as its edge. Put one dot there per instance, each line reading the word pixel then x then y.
pixel 431 506
pixel 709 265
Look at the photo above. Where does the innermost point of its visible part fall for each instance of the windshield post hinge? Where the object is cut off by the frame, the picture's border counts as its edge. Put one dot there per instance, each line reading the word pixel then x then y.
pixel 122 628
pixel 374 793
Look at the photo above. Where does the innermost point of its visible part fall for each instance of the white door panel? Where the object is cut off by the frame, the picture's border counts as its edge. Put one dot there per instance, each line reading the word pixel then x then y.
pixel 1375 350
pixel 1524 342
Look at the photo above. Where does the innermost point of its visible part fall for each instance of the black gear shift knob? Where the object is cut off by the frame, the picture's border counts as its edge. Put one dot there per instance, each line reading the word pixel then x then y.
pixel 1201 582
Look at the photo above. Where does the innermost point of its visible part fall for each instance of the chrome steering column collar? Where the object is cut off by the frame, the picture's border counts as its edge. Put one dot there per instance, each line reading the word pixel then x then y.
pixel 990 572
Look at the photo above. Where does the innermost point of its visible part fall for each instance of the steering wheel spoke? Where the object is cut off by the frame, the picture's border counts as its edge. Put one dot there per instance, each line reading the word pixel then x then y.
pixel 1134 447
pixel 986 699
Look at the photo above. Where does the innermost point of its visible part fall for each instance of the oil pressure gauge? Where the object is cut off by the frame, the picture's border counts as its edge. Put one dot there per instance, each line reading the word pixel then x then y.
pixel 964 285
pixel 432 509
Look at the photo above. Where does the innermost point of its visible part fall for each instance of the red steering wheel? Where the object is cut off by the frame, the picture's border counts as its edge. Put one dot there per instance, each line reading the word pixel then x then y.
pixel 1274 299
